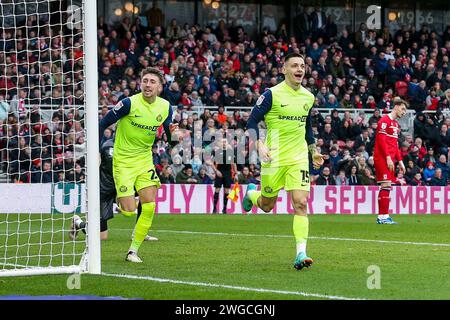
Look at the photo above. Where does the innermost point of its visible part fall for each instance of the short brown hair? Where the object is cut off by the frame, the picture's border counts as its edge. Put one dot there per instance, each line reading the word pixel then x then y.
pixel 293 55
pixel 154 71
pixel 399 101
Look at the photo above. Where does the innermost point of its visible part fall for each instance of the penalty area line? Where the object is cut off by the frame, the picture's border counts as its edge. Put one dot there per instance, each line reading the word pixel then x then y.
pixel 225 286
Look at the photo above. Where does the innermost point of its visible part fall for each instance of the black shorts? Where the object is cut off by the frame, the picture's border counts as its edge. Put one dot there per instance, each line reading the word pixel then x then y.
pixel 106 206
pixel 225 181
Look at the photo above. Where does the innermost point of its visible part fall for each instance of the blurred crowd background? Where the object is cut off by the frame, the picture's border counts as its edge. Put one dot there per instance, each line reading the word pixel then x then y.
pixel 213 77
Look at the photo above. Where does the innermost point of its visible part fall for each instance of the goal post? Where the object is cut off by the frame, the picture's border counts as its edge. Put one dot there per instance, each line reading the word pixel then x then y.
pixel 49 146
pixel 93 181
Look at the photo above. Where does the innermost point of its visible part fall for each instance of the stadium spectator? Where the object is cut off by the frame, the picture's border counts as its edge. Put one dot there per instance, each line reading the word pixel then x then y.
pixel 195 100
pixel 367 178
pixel 332 102
pixel 363 140
pixel 354 178
pixel 325 178
pixel 221 116
pixel 401 181
pixel 345 131
pixel 203 178
pixel 318 22
pixel 196 162
pixel 166 175
pixel 328 136
pixel 244 177
pixel 302 27
pixel 360 164
pixel 173 30
pixel 341 179
pixel 172 94
pixel 335 120
pixel 411 170
pixel 438 179
pixel 44 176
pixel 186 175
pixel 443 143
pixel 177 165
pixel 428 172
pixel 430 157
pixel 371 163
pixel 421 151
pixel 444 166
pixel 404 149
pixel 334 159
pixel 417 180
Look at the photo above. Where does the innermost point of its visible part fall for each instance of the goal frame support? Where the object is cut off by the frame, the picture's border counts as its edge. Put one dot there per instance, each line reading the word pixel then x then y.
pixel 93 157
pixel 36 271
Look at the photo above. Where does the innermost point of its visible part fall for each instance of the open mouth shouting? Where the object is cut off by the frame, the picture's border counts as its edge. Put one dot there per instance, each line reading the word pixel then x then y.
pixel 298 76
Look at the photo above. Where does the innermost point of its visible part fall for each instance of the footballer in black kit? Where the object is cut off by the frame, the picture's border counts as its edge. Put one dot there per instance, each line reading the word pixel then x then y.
pixel 225 167
pixel 107 195
pixel 107 187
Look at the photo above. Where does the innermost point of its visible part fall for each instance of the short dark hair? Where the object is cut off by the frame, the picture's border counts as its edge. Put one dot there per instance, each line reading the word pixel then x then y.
pixel 293 55
pixel 154 71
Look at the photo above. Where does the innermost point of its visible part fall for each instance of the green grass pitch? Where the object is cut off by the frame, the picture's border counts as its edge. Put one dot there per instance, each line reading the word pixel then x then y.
pixel 251 256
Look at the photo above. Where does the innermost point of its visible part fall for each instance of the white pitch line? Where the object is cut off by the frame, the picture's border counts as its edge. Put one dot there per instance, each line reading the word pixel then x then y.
pixel 225 286
pixel 291 236
pixel 386 241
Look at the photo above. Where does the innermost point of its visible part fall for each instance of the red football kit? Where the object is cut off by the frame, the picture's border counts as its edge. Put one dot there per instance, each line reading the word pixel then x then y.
pixel 386 144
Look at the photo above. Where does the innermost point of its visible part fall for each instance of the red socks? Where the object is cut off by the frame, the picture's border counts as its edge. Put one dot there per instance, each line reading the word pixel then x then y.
pixel 384 200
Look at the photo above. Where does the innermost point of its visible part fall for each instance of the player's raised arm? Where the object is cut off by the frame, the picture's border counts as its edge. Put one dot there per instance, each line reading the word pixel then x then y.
pixel 170 127
pixel 261 108
pixel 120 110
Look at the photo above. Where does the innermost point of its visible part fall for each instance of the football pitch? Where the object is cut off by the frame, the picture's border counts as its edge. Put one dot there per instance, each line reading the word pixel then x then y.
pixel 251 257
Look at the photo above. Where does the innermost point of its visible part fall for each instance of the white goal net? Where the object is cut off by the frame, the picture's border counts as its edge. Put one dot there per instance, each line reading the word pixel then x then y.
pixel 43 136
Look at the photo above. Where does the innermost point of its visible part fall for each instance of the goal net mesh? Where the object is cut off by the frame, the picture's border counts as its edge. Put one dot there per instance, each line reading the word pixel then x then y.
pixel 42 134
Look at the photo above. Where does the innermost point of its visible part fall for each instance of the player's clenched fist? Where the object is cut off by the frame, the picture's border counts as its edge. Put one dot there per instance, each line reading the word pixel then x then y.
pixel 318 160
pixel 264 152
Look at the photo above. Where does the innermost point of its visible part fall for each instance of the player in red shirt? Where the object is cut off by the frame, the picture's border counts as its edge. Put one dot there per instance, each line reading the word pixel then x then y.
pixel 386 154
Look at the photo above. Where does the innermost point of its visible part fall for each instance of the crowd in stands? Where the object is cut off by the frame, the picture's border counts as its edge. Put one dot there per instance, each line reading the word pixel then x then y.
pixel 207 68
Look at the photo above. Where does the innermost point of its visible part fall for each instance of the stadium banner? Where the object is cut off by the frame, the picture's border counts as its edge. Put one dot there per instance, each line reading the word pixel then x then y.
pixel 193 199
pixel 55 198
pixel 189 199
